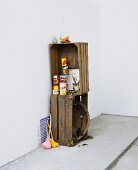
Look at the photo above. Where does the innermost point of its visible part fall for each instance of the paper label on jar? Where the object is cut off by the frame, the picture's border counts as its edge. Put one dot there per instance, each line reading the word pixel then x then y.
pixel 55 79
pixel 63 88
pixel 74 79
pixel 64 79
pixel 55 89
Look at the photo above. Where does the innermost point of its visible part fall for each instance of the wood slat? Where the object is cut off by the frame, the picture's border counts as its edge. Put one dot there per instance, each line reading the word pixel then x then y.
pixel 54 60
pixel 84 99
pixel 80 67
pixel 68 121
pixel 54 116
pixel 62 112
pixel 87 83
pixel 84 66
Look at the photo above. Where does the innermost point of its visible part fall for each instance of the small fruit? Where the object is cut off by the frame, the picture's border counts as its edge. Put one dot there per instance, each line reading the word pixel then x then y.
pixel 65 38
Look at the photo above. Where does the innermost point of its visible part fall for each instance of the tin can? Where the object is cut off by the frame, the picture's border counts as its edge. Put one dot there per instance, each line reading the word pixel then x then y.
pixel 65 70
pixel 64 61
pixel 64 79
pixel 63 88
pixel 55 89
pixel 55 79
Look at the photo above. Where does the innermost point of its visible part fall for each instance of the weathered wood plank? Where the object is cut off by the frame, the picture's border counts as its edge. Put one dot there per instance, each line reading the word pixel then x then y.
pixel 87 77
pixel 80 67
pixel 68 121
pixel 84 67
pixel 84 99
pixel 54 116
pixel 54 61
pixel 62 112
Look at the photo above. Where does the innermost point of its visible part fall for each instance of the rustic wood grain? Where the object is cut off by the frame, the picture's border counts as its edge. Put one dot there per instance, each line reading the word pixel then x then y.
pixel 87 70
pixel 62 112
pixel 54 115
pixel 84 99
pixel 68 120
pixel 54 60
pixel 80 68
pixel 84 67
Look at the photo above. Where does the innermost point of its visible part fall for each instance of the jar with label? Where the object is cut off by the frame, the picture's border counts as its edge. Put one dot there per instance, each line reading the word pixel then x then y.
pixel 55 89
pixel 63 62
pixel 65 70
pixel 63 88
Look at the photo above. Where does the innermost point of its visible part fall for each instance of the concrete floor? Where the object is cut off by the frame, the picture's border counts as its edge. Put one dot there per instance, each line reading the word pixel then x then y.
pixel 112 134
pixel 130 160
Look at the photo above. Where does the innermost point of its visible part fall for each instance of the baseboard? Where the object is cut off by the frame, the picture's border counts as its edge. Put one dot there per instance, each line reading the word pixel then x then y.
pixel 127 115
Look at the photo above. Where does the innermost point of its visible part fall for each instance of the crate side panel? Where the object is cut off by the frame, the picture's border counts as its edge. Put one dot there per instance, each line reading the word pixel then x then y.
pixel 80 66
pixel 68 121
pixel 83 67
pixel 85 102
pixel 54 64
pixel 54 116
pixel 62 111
pixel 84 99
pixel 87 69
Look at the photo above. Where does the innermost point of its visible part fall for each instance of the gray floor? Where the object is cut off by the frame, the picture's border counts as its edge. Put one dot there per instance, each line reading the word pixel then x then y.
pixel 130 160
pixel 112 134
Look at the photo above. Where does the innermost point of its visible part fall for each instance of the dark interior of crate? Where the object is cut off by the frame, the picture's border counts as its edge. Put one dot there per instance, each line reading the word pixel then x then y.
pixel 59 51
pixel 80 119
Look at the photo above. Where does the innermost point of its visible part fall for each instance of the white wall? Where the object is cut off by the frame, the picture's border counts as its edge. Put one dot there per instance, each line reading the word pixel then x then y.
pixel 119 57
pixel 26 27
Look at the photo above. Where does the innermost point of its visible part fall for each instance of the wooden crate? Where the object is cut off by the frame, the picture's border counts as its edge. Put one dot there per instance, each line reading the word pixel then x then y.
pixel 77 57
pixel 66 120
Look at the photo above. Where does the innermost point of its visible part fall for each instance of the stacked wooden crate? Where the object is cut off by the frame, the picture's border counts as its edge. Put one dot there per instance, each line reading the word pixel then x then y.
pixel 65 110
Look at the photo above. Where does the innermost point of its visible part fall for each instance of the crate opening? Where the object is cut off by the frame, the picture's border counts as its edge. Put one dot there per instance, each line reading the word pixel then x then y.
pixel 59 51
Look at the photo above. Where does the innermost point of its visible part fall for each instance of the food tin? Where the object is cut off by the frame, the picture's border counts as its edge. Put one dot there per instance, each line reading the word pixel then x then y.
pixel 64 61
pixel 63 88
pixel 55 89
pixel 64 79
pixel 55 80
pixel 65 70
